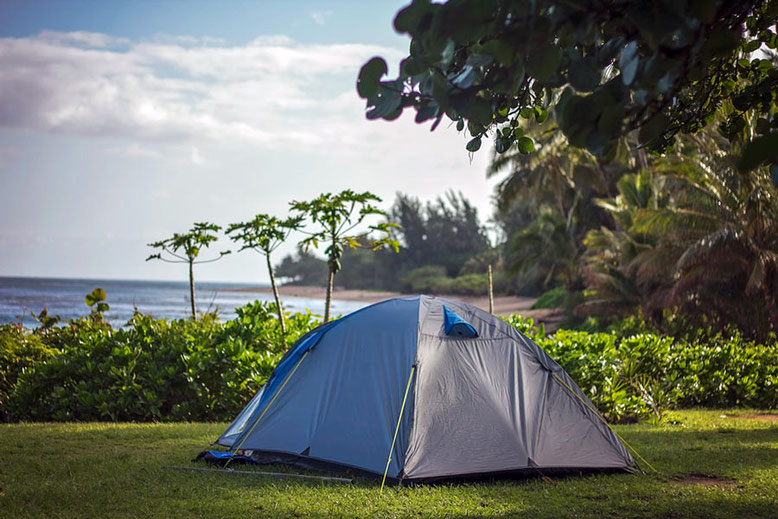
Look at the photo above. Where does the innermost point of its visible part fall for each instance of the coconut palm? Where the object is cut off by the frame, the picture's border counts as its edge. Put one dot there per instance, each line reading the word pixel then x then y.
pixel 722 230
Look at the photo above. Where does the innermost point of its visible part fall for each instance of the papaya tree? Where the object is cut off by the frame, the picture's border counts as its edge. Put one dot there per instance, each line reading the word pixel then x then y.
pixel 336 217
pixel 185 248
pixel 263 234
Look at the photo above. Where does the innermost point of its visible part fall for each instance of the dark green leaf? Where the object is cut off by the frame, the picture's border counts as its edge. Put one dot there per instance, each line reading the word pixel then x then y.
pixel 544 62
pixel 652 128
pixel 370 76
pixel 761 150
pixel 584 74
pixel 474 144
pixel 628 63
pixel 526 145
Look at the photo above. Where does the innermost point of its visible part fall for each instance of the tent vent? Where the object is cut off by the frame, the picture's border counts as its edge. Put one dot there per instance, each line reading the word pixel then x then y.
pixel 456 326
pixel 306 452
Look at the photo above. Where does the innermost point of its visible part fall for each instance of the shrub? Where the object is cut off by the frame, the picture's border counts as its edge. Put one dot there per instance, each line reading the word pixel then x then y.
pixel 641 374
pixel 19 351
pixel 157 369
pixel 554 298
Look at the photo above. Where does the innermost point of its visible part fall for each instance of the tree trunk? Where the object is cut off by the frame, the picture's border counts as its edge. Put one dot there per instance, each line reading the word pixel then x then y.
pixel 330 280
pixel 491 292
pixel 772 309
pixel 276 296
pixel 192 289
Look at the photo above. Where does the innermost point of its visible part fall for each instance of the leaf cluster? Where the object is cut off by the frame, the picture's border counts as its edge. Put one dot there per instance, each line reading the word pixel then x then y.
pixel 263 233
pixel 186 247
pixel 640 373
pixel 152 370
pixel 337 215
pixel 601 69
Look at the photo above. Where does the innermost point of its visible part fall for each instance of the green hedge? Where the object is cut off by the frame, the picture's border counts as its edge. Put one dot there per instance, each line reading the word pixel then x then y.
pixel 159 370
pixel 155 369
pixel 19 352
pixel 642 374
pixel 432 279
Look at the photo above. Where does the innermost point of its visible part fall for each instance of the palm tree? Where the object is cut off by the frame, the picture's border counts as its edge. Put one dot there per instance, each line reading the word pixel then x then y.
pixel 694 234
pixel 722 230
pixel 618 270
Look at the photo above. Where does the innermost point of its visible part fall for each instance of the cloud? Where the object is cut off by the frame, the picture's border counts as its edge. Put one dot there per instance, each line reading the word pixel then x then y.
pixel 320 17
pixel 136 150
pixel 196 157
pixel 82 39
pixel 180 90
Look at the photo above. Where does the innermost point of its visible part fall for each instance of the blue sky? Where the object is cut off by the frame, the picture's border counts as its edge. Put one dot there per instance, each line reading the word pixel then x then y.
pixel 123 122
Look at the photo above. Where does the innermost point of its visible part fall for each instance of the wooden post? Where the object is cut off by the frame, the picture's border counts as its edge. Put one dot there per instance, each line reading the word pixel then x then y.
pixel 491 292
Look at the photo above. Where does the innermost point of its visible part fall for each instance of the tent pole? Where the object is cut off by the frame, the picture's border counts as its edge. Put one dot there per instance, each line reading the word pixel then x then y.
pixel 397 429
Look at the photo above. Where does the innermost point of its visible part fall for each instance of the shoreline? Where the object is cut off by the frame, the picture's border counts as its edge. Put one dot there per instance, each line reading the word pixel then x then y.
pixel 503 305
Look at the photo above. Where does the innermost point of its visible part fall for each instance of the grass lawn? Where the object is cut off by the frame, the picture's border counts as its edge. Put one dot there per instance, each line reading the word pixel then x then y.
pixel 114 470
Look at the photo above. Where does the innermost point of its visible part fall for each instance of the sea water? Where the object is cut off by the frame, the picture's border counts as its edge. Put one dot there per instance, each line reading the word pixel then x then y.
pixel 19 297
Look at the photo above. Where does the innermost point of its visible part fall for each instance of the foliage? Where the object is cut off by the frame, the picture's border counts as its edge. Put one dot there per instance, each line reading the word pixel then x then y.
pixel 185 248
pixel 644 374
pixel 432 279
pixel 553 298
pixel 337 215
pixel 304 268
pixel 545 251
pixel 263 233
pixel 155 370
pixel 601 68
pixel 547 203
pixel 694 236
pixel 19 352
pixel 95 300
pixel 445 232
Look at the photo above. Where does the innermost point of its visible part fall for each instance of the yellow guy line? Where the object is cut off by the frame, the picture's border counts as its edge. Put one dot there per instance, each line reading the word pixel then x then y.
pixel 396 429
pixel 597 414
pixel 246 437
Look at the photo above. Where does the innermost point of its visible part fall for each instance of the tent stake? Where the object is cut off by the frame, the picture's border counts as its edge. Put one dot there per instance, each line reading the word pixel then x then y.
pixel 256 473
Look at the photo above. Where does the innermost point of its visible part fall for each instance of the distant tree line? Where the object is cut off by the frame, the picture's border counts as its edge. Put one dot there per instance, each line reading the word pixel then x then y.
pixel 443 248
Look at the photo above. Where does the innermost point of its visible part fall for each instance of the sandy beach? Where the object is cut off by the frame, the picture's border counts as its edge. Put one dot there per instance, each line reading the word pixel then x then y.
pixel 503 305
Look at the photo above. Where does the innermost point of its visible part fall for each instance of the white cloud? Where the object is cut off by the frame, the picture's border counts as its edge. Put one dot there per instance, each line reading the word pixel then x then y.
pixel 165 131
pixel 196 157
pixel 177 89
pixel 320 17
pixel 82 38
pixel 136 150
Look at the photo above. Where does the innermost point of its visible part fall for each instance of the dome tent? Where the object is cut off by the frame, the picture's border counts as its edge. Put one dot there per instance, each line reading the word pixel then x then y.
pixel 424 388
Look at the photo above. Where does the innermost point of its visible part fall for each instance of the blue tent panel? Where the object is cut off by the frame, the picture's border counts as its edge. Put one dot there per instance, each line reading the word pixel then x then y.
pixel 455 325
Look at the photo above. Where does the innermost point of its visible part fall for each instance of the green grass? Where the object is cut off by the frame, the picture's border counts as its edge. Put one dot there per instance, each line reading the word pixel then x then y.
pixel 114 470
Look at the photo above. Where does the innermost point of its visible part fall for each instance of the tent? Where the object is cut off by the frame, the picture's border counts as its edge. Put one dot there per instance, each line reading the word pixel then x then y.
pixel 421 389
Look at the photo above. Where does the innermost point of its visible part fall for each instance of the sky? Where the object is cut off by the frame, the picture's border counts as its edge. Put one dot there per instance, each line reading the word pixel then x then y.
pixel 124 122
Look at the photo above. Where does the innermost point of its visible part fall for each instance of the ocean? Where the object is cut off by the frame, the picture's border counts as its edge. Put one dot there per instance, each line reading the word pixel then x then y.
pixel 20 296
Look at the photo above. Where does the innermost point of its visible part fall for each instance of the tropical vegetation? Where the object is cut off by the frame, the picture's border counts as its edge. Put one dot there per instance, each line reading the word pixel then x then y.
pixel 207 369
pixel 604 69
